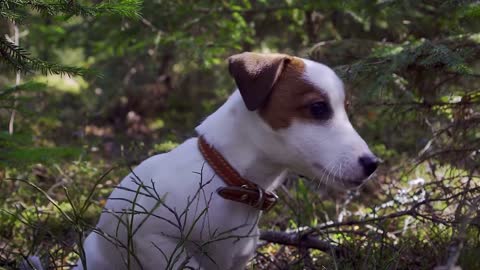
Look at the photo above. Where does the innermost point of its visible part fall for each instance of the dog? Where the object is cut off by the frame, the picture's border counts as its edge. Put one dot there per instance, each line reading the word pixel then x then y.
pixel 197 206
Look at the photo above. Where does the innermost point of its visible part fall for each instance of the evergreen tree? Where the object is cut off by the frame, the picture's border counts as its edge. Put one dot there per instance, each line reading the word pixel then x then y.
pixel 15 58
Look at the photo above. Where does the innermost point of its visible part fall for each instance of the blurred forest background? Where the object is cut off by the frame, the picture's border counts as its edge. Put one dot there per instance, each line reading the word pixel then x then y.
pixel 89 88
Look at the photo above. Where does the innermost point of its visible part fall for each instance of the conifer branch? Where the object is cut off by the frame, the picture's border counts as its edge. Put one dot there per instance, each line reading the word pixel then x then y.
pixel 126 8
pixel 19 59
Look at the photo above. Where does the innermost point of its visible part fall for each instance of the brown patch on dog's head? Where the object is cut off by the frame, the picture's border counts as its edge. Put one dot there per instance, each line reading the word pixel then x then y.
pixel 291 97
pixel 274 85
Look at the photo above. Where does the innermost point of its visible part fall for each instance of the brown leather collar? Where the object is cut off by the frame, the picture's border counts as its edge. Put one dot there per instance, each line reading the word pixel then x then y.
pixel 239 189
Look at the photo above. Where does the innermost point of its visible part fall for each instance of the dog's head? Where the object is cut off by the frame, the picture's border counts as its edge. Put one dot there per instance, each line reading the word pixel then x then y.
pixel 303 104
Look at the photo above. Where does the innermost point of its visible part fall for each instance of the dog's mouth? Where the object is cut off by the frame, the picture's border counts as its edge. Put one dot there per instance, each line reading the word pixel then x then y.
pixel 334 178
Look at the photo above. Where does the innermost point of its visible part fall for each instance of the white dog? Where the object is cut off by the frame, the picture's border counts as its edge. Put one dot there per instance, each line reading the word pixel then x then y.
pixel 197 207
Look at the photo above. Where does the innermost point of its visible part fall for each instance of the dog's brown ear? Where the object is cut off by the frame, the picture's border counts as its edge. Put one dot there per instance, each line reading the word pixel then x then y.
pixel 255 74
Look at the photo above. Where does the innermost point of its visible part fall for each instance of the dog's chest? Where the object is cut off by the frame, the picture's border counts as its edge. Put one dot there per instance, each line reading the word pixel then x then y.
pixel 191 209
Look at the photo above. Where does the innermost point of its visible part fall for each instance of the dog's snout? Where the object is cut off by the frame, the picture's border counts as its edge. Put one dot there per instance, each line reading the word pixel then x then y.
pixel 369 164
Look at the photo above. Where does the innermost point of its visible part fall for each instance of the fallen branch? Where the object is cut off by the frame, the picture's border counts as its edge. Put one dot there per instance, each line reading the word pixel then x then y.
pixel 300 240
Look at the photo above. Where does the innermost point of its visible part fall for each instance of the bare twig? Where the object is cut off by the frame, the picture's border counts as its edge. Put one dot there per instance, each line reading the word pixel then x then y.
pixel 299 240
pixel 16 41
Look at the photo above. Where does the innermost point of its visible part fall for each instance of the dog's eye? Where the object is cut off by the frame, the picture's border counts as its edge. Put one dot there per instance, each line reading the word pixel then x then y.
pixel 320 110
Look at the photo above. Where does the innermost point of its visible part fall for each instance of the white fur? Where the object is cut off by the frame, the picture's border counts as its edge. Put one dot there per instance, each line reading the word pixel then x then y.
pixel 327 151
pixel 257 152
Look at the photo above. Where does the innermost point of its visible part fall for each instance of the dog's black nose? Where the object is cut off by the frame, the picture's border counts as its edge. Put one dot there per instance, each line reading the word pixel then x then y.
pixel 369 164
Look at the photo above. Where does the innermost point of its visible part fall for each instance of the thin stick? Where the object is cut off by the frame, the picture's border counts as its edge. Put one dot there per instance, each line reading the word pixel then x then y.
pixel 16 40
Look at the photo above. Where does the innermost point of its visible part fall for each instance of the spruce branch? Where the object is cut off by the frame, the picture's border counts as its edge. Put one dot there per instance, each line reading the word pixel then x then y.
pixel 30 86
pixel 9 14
pixel 126 8
pixel 446 56
pixel 19 59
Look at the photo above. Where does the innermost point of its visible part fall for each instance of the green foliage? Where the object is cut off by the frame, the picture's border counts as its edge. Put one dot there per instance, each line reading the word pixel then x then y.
pixel 164 146
pixel 411 70
pixel 19 151
pixel 7 95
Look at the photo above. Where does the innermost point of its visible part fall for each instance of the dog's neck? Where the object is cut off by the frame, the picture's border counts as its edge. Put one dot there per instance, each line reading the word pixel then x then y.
pixel 237 134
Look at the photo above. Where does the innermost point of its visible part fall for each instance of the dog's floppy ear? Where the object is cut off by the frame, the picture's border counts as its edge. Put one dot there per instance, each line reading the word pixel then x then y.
pixel 255 74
